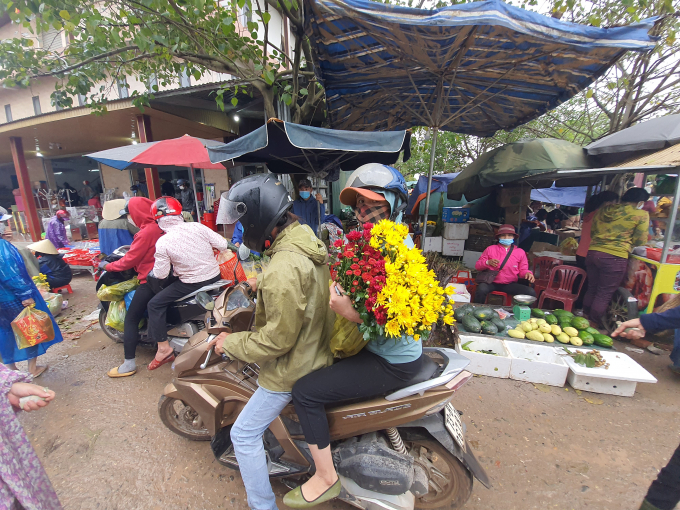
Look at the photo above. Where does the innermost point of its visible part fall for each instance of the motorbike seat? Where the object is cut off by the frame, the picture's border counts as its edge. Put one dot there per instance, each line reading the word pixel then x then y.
pixel 428 368
pixel 207 288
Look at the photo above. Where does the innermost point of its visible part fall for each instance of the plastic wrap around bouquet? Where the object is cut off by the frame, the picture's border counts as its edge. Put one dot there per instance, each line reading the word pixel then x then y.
pixel 389 283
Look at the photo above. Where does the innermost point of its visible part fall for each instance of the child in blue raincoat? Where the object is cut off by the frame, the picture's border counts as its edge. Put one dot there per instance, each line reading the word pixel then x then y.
pixel 17 291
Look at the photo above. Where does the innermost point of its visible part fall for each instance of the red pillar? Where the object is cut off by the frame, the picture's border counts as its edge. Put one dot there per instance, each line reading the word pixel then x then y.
pixel 152 181
pixel 31 212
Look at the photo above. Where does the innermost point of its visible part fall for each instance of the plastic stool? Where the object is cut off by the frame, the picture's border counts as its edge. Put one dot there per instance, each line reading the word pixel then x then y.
pixel 67 287
pixel 506 299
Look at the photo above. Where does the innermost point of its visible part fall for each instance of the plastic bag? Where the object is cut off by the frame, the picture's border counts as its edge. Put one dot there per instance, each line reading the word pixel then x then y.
pixel 54 302
pixel 346 339
pixel 128 298
pixel 115 318
pixel 117 292
pixel 32 327
pixel 569 246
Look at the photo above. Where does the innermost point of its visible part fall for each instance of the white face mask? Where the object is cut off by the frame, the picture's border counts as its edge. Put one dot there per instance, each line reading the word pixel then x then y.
pixel 130 220
pixel 640 205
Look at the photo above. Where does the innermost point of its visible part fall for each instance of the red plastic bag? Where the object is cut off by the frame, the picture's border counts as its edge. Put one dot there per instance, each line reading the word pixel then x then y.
pixel 32 327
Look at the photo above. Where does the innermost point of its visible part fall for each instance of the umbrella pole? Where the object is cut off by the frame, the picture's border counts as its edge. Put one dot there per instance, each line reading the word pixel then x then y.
pixel 193 184
pixel 318 209
pixel 433 149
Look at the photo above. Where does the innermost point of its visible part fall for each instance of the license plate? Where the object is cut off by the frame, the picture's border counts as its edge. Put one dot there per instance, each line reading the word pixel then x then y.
pixel 454 425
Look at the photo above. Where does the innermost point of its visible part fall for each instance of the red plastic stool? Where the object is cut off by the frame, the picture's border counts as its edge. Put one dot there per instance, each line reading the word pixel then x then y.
pixel 507 301
pixel 67 287
pixel 566 291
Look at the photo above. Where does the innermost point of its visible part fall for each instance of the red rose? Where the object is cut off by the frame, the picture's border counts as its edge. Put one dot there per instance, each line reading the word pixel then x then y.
pixel 353 236
pixel 352 289
pixel 357 272
pixel 354 266
pixel 368 226
pixel 355 259
pixel 355 282
pixel 349 254
pixel 338 243
pixel 367 235
pixel 349 273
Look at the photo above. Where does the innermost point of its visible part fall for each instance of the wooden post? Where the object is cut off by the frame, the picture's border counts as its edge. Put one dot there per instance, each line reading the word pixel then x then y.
pixel 34 225
pixel 152 182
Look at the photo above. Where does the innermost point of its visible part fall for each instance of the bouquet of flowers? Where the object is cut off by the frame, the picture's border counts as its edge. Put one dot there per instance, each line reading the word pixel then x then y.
pixel 390 284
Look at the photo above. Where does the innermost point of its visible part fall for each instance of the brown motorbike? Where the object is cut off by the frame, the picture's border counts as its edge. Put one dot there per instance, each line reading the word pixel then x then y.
pixel 401 451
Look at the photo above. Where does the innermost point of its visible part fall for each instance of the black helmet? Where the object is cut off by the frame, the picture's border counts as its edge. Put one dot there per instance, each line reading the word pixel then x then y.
pixel 258 202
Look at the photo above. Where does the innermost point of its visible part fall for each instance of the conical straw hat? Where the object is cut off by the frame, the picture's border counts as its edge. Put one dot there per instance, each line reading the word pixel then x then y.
pixel 44 246
pixel 111 209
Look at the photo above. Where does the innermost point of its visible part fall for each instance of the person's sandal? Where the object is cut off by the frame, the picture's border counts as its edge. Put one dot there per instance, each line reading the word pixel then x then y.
pixel 114 373
pixel 295 498
pixel 155 363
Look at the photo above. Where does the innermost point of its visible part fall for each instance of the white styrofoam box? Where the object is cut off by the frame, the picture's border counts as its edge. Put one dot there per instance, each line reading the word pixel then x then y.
pixel 536 364
pixel 620 378
pixel 433 244
pixel 460 293
pixel 456 230
pixel 470 258
pixel 486 364
pixel 453 248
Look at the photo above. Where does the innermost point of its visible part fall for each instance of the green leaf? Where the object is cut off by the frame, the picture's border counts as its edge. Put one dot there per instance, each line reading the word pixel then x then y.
pixel 234 101
pixel 269 77
pixel 64 14
pixel 266 17
pixel 303 92
pixel 589 93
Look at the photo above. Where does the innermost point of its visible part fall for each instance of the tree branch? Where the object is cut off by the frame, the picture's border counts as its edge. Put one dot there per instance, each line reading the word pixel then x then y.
pixel 88 60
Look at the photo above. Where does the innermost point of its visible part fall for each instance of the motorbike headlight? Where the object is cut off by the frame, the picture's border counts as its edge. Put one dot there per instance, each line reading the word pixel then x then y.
pixel 205 301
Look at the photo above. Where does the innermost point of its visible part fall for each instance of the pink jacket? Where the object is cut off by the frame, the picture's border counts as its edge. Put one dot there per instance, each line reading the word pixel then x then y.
pixel 515 268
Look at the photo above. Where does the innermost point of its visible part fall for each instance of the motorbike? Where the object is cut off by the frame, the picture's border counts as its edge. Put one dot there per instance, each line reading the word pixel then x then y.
pixel 402 451
pixel 185 316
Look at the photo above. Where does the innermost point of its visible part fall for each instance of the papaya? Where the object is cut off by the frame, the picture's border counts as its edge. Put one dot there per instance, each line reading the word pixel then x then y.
pixel 538 313
pixel 574 340
pixel 471 324
pixel 565 323
pixel 551 319
pixel 603 340
pixel 460 312
pixel 513 333
pixel 592 331
pixel 488 328
pixel 570 331
pixel 541 322
pixel 563 338
pixel 580 323
pixel 586 337
pixel 483 313
pixel 555 330
pixel 526 326
pixel 545 328
pixel 536 336
pixel 559 313
pixel 548 338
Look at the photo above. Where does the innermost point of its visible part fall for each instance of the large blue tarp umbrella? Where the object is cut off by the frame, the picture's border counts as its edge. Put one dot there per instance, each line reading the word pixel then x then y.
pixel 289 148
pixel 470 68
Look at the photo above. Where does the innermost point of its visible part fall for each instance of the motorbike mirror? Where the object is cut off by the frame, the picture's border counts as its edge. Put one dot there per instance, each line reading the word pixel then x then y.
pixel 206 302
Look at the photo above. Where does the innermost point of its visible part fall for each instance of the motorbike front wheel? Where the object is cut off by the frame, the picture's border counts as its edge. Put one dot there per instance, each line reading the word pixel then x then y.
pixel 182 419
pixel 112 333
pixel 450 481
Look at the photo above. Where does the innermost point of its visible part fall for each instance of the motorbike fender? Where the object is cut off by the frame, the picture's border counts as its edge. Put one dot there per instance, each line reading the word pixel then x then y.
pixel 434 424
pixel 170 391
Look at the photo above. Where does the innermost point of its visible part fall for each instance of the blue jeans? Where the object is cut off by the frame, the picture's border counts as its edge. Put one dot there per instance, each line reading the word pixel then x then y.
pixel 675 354
pixel 246 435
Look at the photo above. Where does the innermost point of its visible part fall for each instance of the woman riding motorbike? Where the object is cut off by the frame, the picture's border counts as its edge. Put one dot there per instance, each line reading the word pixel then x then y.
pixel 375 192
pixel 293 322
pixel 140 257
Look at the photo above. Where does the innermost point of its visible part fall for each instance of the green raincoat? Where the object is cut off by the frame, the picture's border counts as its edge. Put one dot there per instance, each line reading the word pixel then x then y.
pixel 293 320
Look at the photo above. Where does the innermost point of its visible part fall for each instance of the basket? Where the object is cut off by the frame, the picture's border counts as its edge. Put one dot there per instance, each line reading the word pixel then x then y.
pixel 227 268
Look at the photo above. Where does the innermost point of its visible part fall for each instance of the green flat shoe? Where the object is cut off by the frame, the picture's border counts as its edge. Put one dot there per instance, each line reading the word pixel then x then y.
pixel 295 498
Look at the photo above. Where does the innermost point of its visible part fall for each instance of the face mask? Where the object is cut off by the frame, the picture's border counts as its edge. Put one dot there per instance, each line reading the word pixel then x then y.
pixel 506 242
pixel 640 205
pixel 304 195
pixel 129 218
pixel 373 214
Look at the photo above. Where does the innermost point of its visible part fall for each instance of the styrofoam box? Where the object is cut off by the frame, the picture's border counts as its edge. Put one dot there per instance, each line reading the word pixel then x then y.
pixel 433 244
pixel 470 258
pixel 453 248
pixel 456 230
pixel 620 378
pixel 486 364
pixel 536 364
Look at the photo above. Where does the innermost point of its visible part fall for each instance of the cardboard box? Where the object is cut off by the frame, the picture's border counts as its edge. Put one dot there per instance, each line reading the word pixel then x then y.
pixel 514 197
pixel 453 248
pixel 455 214
pixel 433 244
pixel 456 230
pixel 513 215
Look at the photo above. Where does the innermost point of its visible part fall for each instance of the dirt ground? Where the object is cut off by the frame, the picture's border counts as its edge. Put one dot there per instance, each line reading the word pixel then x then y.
pixel 104 446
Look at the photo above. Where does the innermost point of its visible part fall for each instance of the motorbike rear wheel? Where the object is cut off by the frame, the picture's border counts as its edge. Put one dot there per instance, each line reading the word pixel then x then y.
pixel 182 419
pixel 450 481
pixel 113 334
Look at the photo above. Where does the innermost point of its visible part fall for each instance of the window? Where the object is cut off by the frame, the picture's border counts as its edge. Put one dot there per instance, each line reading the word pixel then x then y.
pixel 36 105
pixel 246 15
pixel 51 40
pixel 8 112
pixel 122 88
pixel 184 80
pixel 81 100
pixel 152 84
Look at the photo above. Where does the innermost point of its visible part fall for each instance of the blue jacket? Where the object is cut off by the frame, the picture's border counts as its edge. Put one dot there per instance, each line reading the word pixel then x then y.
pixel 308 213
pixel 237 237
pixel 115 233
pixel 654 322
pixel 57 272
